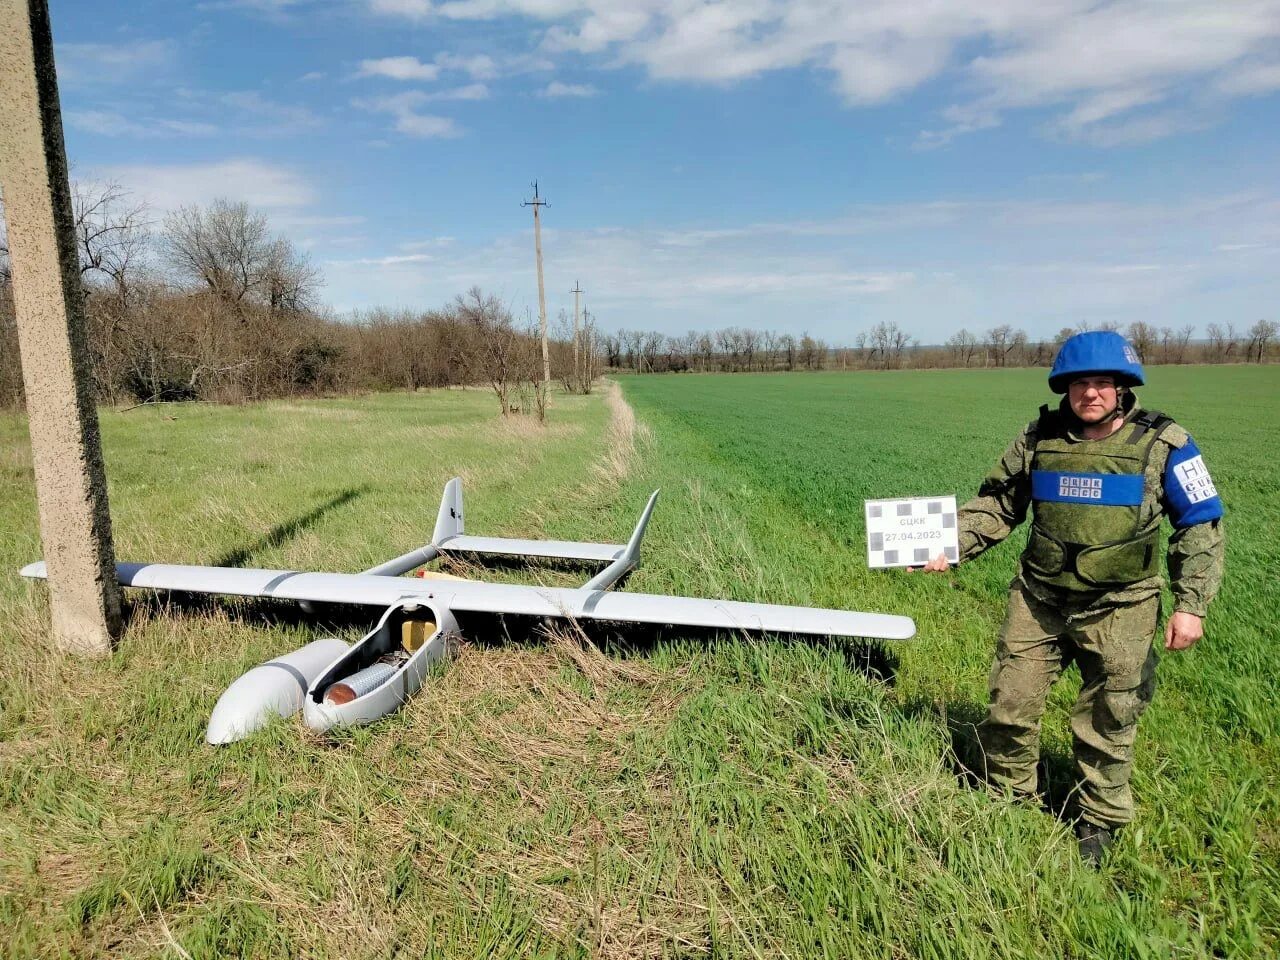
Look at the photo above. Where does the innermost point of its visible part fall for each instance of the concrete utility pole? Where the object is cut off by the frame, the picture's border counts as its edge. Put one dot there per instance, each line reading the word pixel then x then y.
pixel 537 203
pixel 71 482
pixel 577 292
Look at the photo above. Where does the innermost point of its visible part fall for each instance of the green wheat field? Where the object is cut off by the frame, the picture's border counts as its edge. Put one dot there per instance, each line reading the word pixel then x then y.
pixel 549 796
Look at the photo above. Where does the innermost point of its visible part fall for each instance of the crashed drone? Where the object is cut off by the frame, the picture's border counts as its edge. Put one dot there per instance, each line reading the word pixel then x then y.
pixel 334 684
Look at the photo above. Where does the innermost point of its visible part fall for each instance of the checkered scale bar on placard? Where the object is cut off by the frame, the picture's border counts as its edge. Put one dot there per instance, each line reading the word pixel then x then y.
pixel 882 517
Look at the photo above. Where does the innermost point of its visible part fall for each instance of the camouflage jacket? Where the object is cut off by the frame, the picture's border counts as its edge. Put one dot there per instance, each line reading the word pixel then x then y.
pixel 1195 551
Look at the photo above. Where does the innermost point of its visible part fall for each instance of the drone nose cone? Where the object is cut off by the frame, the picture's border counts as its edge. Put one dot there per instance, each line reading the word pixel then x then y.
pixel 273 689
pixel 228 722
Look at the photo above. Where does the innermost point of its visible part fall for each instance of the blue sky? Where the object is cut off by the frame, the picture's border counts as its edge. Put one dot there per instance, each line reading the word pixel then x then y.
pixel 804 166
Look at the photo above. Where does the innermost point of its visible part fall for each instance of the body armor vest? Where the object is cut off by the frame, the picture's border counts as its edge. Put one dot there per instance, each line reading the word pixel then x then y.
pixel 1088 531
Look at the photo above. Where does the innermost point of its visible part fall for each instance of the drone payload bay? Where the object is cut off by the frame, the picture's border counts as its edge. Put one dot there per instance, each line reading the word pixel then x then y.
pixel 335 685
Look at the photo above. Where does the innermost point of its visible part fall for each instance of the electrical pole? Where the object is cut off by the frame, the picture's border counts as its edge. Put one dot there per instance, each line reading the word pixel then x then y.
pixel 53 340
pixel 537 203
pixel 577 292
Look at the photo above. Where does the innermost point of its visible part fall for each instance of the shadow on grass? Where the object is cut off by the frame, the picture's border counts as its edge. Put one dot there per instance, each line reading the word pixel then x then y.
pixel 1055 768
pixel 870 658
pixel 289 529
pixel 136 606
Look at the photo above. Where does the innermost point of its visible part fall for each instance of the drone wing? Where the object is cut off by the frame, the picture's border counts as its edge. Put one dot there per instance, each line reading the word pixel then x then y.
pixel 498 598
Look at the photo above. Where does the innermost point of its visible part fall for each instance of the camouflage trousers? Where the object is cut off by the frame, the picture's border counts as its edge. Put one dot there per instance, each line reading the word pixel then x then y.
pixel 1112 646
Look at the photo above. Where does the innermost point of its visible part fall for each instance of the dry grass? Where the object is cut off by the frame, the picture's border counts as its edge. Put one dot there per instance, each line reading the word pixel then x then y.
pixel 625 439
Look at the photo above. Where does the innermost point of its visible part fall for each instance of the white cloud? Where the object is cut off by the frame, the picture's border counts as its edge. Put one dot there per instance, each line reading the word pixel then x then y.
pixel 313 76
pixel 1141 129
pixel 557 89
pixel 434 243
pixel 399 68
pixel 272 7
pixel 316 220
pixel 187 128
pixel 261 184
pixel 110 64
pixel 280 118
pixel 933 267
pixel 479 66
pixel 1250 79
pixel 413 9
pixel 427 126
pixel 470 91
pixel 403 106
pixel 1087 176
pixel 395 260
pixel 108 123
pixel 1104 64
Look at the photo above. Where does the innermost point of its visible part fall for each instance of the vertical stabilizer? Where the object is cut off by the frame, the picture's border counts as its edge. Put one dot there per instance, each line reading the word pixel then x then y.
pixel 449 519
pixel 629 559
pixel 632 553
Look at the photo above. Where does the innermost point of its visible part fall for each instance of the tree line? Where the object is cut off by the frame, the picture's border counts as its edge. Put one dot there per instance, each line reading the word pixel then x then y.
pixel 887 346
pixel 209 304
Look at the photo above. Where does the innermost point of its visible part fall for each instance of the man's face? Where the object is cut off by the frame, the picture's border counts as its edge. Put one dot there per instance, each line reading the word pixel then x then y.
pixel 1092 398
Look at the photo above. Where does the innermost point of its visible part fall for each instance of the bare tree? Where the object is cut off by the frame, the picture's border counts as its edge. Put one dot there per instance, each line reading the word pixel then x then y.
pixel 963 346
pixel 787 348
pixel 1183 342
pixel 1174 343
pixel 706 350
pixel 1143 336
pixel 635 349
pixel 1002 341
pixel 863 349
pixel 499 354
pixel 768 347
pixel 289 281
pixel 750 341
pixel 650 346
pixel 1261 335
pixel 589 358
pixel 888 341
pixel 1217 337
pixel 225 247
pixel 820 352
pixel 111 233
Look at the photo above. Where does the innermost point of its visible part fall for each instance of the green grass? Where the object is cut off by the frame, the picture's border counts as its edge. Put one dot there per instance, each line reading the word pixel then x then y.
pixel 730 798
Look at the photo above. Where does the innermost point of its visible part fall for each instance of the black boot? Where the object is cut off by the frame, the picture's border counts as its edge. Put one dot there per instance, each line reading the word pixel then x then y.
pixel 1094 841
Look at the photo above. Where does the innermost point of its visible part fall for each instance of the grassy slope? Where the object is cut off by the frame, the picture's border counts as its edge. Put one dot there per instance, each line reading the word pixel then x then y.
pixel 736 798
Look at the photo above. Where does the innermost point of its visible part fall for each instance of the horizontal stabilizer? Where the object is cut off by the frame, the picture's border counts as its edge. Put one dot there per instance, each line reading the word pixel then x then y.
pixel 449 537
pixel 550 549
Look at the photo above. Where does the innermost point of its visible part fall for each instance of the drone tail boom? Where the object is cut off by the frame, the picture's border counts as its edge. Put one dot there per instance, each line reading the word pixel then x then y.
pixel 630 557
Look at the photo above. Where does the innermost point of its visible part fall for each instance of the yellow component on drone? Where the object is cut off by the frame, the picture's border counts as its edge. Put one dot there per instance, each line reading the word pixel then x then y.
pixel 414 633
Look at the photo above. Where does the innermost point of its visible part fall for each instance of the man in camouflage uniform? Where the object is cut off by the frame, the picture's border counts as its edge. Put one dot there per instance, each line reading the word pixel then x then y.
pixel 1099 473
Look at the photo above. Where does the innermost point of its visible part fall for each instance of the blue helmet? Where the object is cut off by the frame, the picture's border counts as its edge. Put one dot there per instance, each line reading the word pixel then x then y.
pixel 1097 353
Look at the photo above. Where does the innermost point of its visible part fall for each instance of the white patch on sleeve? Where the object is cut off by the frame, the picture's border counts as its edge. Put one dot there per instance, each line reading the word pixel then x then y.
pixel 1193 477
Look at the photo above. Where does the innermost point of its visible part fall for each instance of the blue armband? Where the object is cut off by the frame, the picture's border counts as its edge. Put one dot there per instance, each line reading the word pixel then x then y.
pixel 1189 492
